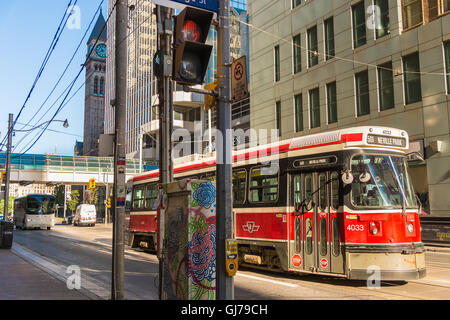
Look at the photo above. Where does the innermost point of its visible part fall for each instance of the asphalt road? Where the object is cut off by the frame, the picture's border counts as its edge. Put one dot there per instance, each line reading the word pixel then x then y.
pixel 90 249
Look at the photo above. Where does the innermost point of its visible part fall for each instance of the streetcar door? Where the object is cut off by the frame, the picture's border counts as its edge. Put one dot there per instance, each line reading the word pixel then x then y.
pixel 296 224
pixel 336 218
pixel 322 215
pixel 309 213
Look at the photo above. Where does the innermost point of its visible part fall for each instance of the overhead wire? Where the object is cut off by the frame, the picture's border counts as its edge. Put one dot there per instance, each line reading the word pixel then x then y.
pixel 49 53
pixel 70 87
pixel 60 78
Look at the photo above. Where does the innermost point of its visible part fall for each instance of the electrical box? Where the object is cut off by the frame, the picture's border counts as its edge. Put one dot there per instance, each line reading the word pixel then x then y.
pixel 187 240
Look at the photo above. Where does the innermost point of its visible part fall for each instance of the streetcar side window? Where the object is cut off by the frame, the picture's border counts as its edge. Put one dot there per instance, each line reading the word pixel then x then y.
pixel 138 197
pixel 298 235
pixel 151 195
pixel 264 184
pixel 322 192
pixel 309 236
pixel 336 237
pixel 297 189
pixel 308 187
pixel 335 190
pixel 323 237
pixel 239 186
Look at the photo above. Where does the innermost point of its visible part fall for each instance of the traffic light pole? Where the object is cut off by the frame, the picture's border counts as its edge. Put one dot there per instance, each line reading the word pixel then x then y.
pixel 165 92
pixel 224 283
pixel 121 59
pixel 8 166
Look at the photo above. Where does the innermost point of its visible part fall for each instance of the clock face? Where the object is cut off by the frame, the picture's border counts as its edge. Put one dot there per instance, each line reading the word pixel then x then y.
pixel 101 50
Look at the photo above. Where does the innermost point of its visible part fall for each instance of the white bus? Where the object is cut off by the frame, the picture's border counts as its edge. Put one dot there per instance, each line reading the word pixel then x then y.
pixel 35 211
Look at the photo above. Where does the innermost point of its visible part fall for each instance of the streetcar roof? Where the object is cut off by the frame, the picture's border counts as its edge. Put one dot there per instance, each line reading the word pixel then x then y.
pixel 348 138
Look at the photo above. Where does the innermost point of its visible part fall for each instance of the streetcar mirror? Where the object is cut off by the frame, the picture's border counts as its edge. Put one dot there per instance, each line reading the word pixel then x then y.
pixel 419 209
pixel 347 177
pixel 364 177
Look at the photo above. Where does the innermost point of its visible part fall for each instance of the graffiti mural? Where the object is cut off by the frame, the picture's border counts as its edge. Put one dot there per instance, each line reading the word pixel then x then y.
pixel 189 240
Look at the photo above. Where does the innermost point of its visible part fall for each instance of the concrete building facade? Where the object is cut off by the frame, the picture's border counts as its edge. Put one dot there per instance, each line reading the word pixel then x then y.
pixel 322 65
pixel 142 124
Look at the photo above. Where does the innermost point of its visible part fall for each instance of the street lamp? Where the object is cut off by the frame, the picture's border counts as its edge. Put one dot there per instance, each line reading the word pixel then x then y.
pixel 11 132
pixel 65 125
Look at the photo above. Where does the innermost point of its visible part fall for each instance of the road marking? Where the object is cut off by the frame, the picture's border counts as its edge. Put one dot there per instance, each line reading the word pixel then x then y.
pixel 291 285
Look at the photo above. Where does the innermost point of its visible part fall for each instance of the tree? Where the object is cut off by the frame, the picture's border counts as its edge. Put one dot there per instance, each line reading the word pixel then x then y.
pixel 74 199
pixel 10 205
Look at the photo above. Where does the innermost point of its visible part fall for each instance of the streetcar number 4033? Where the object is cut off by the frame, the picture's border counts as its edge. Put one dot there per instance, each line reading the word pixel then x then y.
pixel 355 227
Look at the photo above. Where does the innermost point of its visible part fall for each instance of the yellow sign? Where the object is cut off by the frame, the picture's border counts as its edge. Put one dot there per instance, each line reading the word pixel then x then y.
pixel 91 184
pixel 231 256
pixel 211 101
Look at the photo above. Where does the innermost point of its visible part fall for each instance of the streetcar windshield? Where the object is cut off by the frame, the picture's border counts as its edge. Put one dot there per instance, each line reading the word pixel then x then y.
pixel 381 181
pixel 40 204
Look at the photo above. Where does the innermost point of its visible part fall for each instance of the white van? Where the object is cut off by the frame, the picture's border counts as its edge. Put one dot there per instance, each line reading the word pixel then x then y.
pixel 85 215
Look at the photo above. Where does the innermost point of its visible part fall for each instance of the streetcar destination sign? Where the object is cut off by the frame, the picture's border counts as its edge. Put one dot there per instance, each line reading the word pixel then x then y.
pixel 386 141
pixel 210 5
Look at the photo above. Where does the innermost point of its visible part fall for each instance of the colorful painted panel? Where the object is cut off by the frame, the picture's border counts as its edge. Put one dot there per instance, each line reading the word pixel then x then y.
pixel 189 240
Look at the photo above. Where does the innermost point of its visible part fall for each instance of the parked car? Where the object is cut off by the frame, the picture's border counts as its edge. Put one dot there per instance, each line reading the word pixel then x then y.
pixel 85 215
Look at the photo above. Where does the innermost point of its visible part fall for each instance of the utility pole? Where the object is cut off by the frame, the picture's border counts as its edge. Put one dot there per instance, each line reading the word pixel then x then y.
pixel 8 166
pixel 165 92
pixel 224 283
pixel 121 59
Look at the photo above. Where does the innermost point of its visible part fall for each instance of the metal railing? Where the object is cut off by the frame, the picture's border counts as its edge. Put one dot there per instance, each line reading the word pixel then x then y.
pixel 35 162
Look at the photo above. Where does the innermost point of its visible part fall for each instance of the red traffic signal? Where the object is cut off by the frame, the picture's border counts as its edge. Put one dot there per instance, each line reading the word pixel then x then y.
pixel 191 54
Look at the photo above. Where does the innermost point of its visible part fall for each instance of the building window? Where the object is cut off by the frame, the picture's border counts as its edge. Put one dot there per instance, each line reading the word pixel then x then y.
pixel 386 86
pixel 296 3
pixel 332 102
pixel 314 106
pixel 96 85
pixel 278 117
pixel 277 63
pixel 298 103
pixel 362 93
pixel 447 64
pixel 329 38
pixel 383 27
pixel 411 78
pixel 102 86
pixel 412 13
pixel 313 56
pixel 297 54
pixel 359 24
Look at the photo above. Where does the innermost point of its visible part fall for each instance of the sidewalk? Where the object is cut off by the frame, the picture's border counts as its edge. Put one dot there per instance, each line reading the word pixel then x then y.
pixel 20 280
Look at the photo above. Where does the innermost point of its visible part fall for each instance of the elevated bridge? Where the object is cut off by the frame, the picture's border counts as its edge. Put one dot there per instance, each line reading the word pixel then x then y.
pixel 68 170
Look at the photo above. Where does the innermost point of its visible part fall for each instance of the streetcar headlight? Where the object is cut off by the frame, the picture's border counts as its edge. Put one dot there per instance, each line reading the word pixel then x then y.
pixel 374 228
pixel 410 228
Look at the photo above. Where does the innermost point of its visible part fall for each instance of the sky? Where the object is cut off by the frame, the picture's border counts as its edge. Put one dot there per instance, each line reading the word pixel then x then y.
pixel 27 28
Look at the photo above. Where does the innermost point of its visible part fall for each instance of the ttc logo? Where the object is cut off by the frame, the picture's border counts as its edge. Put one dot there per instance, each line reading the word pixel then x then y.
pixel 251 227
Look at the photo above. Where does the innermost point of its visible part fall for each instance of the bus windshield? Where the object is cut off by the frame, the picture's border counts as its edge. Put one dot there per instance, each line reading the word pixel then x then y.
pixel 381 181
pixel 40 204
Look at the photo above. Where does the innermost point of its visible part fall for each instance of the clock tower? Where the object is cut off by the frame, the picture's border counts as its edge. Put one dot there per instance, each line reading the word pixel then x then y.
pixel 94 107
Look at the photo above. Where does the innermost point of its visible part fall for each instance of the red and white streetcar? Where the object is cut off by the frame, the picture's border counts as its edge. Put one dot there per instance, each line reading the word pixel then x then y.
pixel 339 203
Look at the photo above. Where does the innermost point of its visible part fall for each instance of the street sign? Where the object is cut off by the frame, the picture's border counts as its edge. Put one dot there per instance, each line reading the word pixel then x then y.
pixel 239 84
pixel 209 5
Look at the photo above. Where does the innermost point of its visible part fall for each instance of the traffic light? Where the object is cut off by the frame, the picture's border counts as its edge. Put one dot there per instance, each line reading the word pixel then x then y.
pixel 108 203
pixel 191 55
pixel 91 184
pixel 3 177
